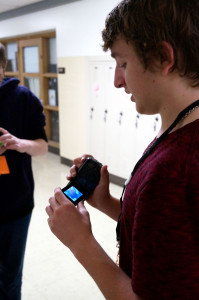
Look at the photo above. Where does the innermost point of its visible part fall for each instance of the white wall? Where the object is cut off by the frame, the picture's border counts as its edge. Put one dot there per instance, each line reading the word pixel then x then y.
pixel 78 26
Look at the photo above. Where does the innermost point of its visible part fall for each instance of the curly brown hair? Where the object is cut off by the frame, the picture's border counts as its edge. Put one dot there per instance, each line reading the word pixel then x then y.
pixel 147 23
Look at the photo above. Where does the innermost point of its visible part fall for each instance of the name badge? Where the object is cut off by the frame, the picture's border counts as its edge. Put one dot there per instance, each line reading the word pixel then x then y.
pixel 4 169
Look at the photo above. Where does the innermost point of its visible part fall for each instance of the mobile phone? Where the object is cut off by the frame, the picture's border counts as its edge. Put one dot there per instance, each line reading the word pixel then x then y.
pixel 84 183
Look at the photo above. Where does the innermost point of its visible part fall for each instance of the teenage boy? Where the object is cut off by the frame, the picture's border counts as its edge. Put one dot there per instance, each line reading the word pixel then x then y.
pixel 155 45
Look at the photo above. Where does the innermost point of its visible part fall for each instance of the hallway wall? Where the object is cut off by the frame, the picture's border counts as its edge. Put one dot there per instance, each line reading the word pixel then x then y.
pixel 78 26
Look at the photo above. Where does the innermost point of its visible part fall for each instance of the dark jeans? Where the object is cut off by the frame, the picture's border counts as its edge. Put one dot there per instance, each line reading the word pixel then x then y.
pixel 13 236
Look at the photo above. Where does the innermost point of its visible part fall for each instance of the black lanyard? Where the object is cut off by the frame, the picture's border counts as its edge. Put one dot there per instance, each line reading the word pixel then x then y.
pixel 181 115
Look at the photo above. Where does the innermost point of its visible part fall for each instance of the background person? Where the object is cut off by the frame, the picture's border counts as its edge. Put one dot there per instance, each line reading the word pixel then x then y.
pixel 22 134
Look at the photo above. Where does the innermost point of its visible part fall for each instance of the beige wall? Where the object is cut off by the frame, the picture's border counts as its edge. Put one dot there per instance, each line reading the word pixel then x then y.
pixel 73 106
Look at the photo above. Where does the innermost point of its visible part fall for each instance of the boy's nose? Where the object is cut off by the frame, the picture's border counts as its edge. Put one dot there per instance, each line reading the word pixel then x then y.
pixel 119 81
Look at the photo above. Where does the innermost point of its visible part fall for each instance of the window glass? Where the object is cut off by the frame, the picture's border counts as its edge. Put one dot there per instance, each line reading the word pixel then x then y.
pixel 52 92
pixel 31 59
pixel 52 64
pixel 55 126
pixel 12 63
pixel 32 84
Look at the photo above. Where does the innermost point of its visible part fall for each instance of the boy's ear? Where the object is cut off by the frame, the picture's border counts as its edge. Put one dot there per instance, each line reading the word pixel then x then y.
pixel 168 60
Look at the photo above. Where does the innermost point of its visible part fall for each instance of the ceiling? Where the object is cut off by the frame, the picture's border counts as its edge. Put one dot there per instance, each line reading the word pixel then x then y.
pixel 13 4
pixel 14 8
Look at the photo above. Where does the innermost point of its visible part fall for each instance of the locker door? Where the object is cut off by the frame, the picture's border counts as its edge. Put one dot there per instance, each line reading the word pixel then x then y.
pixel 119 127
pixel 96 114
pixel 127 150
pixel 112 105
pixel 147 129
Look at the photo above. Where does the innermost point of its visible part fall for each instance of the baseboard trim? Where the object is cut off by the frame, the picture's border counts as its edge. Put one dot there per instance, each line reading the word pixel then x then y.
pixel 53 149
pixel 66 161
pixel 117 180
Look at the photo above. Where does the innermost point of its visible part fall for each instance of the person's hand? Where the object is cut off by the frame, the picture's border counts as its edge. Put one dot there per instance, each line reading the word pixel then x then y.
pixel 2 147
pixel 10 142
pixel 70 224
pixel 101 193
pixel 77 162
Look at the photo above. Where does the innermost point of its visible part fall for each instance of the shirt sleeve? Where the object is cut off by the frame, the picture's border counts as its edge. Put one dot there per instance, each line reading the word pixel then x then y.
pixel 34 118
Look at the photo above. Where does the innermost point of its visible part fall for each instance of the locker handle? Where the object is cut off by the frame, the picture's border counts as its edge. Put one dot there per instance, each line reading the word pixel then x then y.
pixel 91 113
pixel 155 123
pixel 136 121
pixel 105 115
pixel 120 117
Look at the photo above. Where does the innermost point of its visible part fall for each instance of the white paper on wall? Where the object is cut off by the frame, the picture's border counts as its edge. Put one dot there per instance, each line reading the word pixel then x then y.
pixel 52 97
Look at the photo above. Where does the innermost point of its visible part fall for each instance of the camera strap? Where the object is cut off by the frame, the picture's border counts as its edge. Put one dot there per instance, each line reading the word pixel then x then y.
pixel 183 114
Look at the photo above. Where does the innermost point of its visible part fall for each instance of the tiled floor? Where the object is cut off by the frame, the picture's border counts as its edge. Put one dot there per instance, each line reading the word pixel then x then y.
pixel 50 270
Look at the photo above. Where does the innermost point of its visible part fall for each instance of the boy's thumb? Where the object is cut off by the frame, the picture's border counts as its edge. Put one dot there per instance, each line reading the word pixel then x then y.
pixel 104 174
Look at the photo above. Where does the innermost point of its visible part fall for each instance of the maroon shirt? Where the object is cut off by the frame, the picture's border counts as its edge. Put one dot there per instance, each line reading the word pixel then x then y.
pixel 159 244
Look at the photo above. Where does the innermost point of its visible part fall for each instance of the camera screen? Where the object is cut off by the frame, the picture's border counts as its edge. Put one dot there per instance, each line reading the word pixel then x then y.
pixel 73 193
